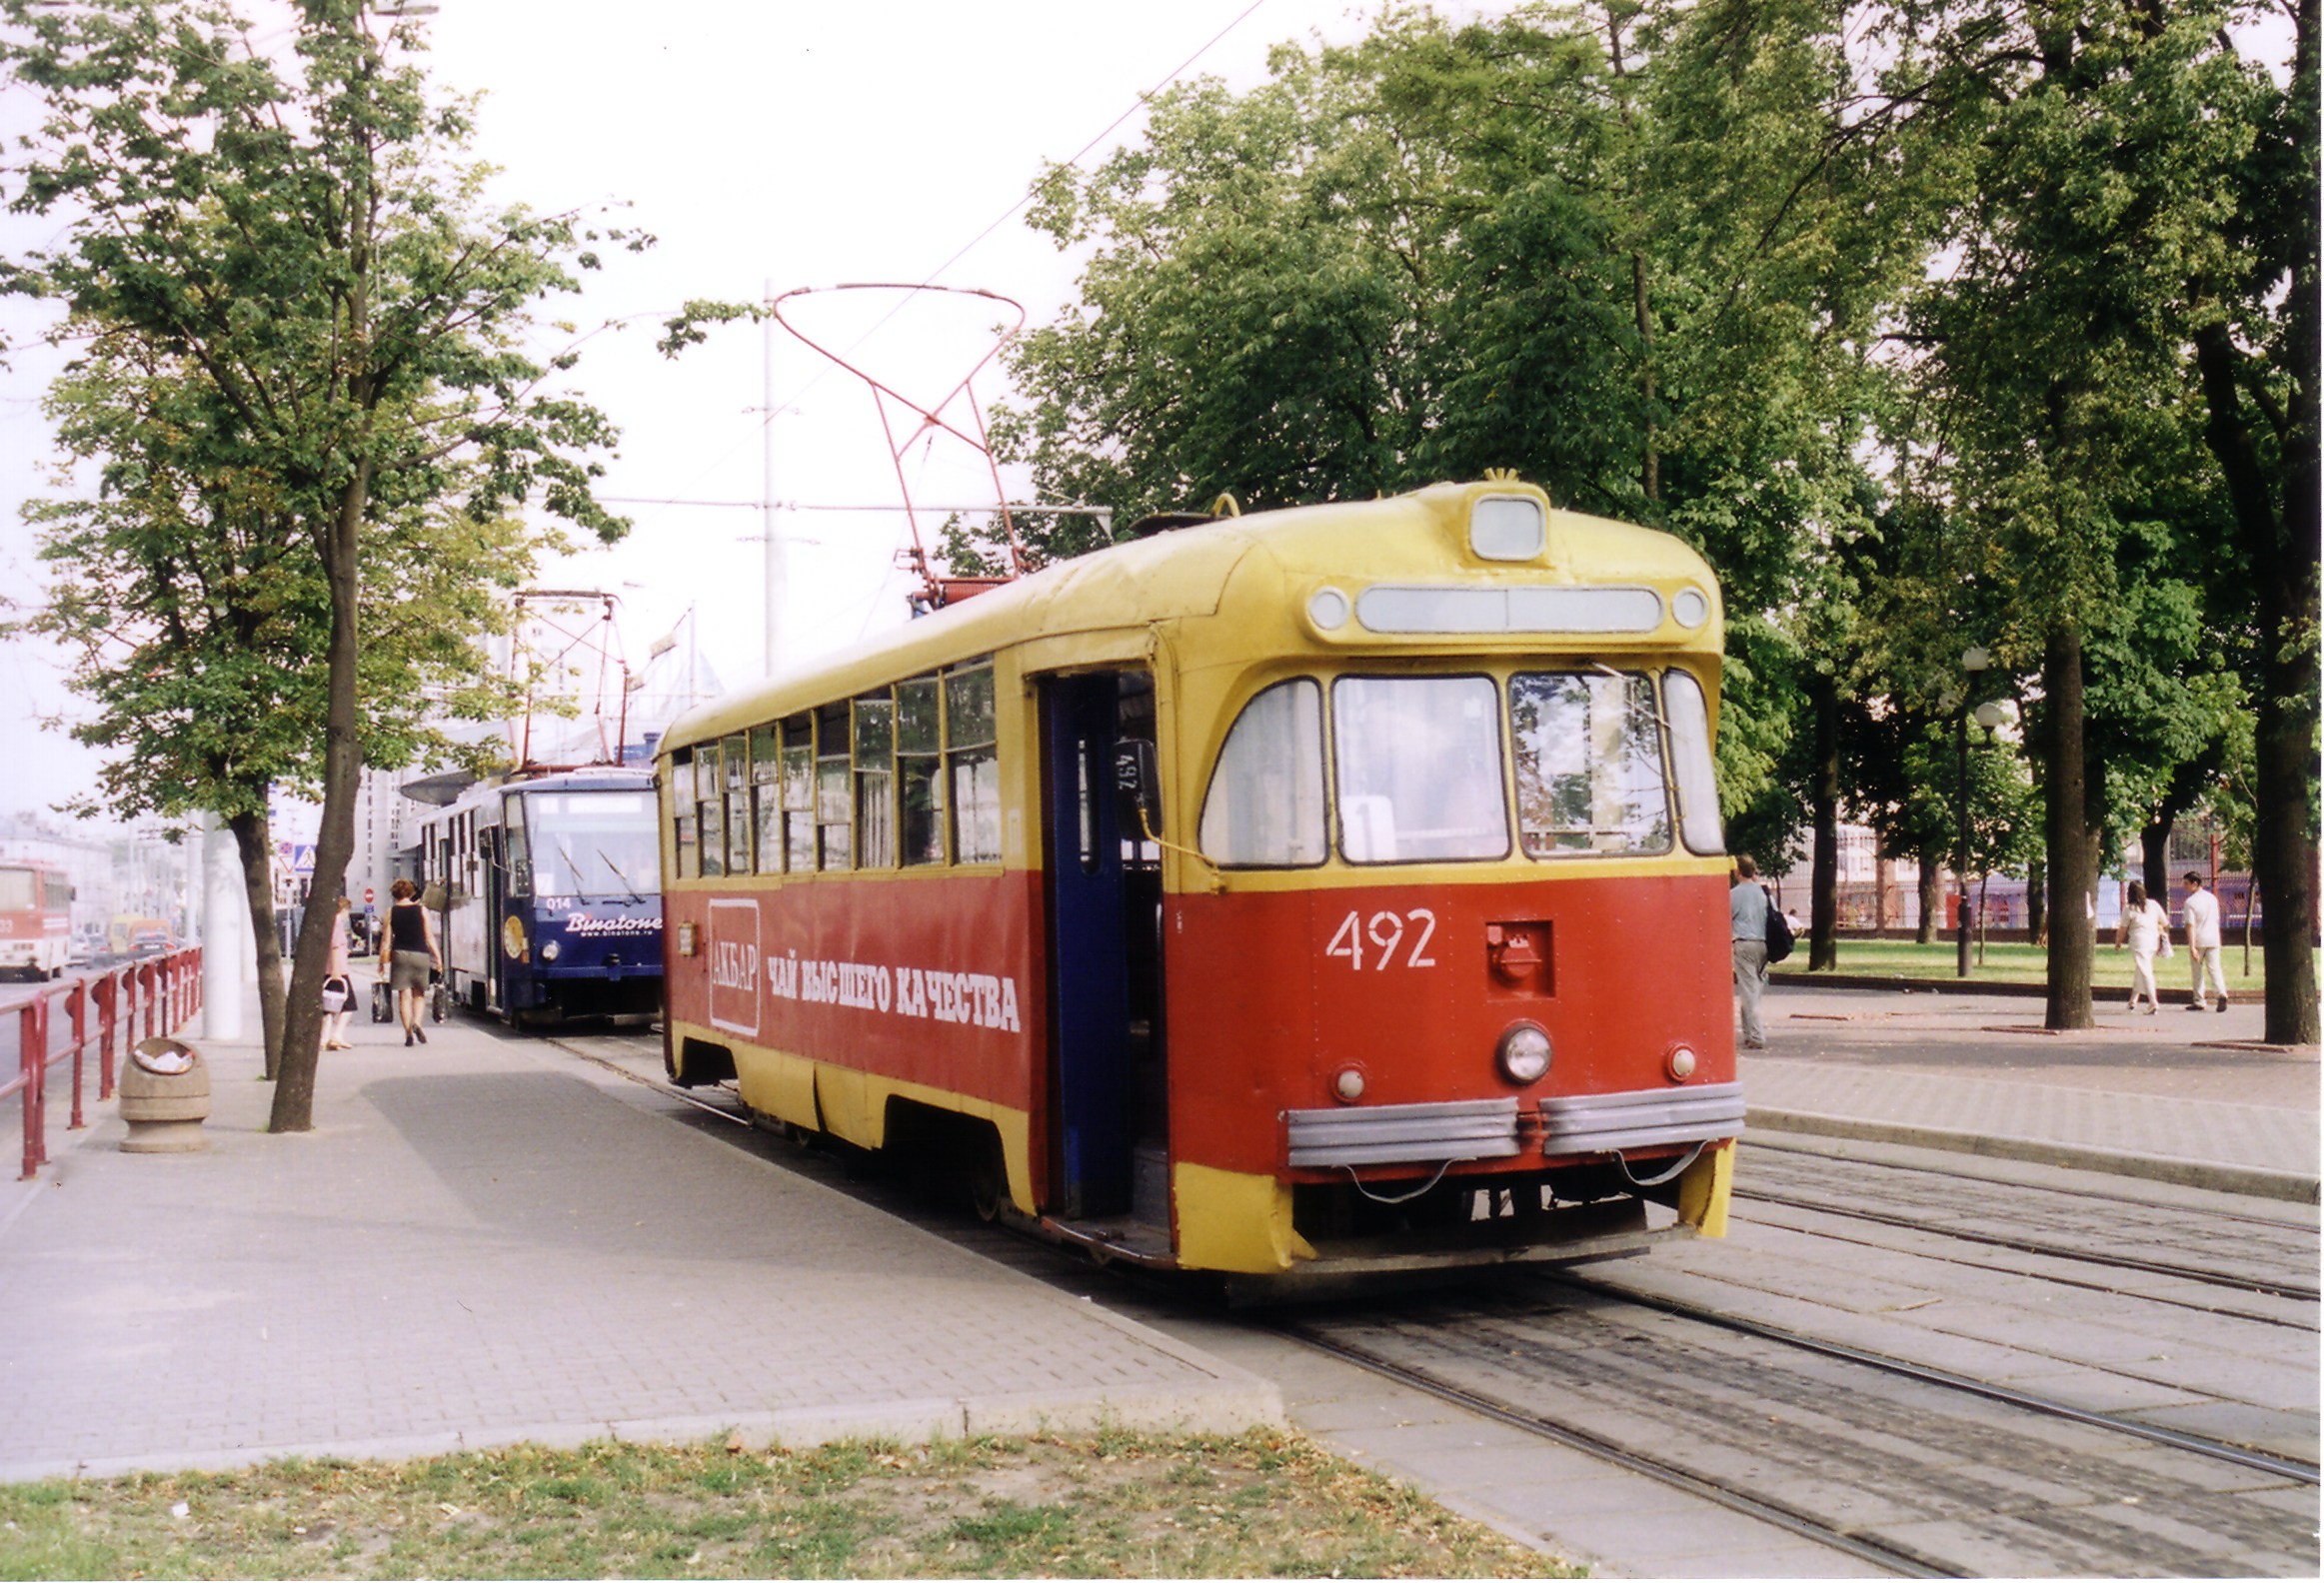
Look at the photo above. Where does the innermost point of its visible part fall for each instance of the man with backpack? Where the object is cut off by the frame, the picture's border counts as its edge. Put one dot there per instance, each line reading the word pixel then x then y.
pixel 1747 913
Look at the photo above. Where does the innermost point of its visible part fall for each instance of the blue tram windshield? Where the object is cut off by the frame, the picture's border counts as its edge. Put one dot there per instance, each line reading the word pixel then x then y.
pixel 592 843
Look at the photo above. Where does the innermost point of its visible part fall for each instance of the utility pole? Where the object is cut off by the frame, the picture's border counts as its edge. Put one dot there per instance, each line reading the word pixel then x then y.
pixel 767 500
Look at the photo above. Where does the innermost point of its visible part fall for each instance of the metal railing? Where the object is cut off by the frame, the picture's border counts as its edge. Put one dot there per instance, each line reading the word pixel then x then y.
pixel 163 992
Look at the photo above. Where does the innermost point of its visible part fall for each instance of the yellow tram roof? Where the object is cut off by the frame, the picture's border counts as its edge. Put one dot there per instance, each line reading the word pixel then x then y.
pixel 1258 572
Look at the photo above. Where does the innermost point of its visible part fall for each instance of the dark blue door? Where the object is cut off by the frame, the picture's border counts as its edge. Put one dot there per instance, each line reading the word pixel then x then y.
pixel 1088 977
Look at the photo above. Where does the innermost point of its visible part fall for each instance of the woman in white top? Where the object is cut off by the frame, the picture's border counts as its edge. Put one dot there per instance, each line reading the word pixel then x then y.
pixel 2145 930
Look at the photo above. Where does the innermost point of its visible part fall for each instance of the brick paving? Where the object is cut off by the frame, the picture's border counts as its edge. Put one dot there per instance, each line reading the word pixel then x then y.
pixel 485 1241
pixel 2190 1096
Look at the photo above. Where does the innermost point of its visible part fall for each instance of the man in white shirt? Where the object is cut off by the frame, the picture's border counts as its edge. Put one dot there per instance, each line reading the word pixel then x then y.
pixel 2202 914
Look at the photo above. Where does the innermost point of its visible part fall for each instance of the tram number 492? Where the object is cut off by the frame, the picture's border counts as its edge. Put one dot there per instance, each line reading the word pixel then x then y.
pixel 1386 932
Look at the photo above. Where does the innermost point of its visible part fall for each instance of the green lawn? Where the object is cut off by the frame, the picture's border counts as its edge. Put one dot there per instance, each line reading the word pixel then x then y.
pixel 1264 1504
pixel 2018 964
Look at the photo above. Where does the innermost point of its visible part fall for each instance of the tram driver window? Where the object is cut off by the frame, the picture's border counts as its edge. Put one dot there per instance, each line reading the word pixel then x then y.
pixel 1589 764
pixel 1264 807
pixel 1419 762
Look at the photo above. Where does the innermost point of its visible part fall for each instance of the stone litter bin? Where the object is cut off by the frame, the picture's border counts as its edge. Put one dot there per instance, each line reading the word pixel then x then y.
pixel 165 1097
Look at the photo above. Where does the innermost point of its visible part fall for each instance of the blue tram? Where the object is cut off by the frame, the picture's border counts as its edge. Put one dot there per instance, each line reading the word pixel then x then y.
pixel 548 892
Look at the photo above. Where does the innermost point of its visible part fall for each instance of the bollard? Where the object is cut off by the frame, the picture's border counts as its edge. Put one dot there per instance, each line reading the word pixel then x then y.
pixel 164 1097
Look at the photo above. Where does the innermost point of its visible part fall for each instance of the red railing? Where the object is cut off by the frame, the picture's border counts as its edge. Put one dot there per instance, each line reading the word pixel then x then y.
pixel 165 990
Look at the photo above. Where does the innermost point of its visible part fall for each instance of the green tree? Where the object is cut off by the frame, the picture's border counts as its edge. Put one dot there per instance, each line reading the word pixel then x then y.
pixel 194 605
pixel 2086 145
pixel 300 242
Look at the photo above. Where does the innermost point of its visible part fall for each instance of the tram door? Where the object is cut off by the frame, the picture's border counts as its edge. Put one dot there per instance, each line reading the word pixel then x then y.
pixel 1104 940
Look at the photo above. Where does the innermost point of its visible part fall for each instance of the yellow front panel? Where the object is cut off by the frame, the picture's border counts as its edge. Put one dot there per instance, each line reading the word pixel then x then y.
pixel 1230 1221
pixel 1704 1189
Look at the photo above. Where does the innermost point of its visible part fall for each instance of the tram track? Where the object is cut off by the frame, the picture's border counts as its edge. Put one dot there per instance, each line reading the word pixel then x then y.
pixel 2091 1284
pixel 1946 1223
pixel 1901 1467
pixel 1662 1471
pixel 1929 1475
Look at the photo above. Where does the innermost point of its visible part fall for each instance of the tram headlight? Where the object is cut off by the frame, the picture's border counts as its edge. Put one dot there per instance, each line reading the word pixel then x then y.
pixel 550 951
pixel 1349 1084
pixel 1681 1063
pixel 1690 607
pixel 1327 609
pixel 1524 1053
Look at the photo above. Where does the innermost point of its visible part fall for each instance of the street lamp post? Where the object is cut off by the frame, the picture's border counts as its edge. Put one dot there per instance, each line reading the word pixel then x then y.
pixel 1973 661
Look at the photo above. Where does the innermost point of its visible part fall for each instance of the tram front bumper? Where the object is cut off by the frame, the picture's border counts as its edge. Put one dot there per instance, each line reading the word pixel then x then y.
pixel 1568 1126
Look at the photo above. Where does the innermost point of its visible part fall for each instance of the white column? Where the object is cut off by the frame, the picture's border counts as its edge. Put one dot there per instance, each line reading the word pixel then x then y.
pixel 225 933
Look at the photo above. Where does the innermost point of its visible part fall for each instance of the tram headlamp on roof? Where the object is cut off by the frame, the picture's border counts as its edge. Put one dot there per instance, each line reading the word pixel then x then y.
pixel 1507 528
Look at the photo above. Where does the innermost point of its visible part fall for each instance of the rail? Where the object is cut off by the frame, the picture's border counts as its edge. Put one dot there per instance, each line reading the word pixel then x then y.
pixel 104 1009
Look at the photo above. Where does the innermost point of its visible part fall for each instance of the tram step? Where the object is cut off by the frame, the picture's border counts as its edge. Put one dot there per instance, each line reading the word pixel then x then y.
pixel 1149 1184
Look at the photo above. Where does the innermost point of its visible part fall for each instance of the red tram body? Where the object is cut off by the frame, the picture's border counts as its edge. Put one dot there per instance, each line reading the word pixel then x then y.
pixel 1298 896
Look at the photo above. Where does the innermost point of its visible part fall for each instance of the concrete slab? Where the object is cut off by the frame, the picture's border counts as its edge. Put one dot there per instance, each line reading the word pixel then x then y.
pixel 481 1243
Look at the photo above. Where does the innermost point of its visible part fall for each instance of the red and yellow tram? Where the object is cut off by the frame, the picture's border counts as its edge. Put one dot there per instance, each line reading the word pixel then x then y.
pixel 1311 893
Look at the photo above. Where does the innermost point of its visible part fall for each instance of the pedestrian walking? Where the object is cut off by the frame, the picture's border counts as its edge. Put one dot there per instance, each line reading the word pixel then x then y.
pixel 1748 909
pixel 412 956
pixel 2145 932
pixel 2201 912
pixel 337 983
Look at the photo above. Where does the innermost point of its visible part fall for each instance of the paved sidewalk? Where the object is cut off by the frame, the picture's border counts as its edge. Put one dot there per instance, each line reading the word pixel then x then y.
pixel 2178 1096
pixel 485 1241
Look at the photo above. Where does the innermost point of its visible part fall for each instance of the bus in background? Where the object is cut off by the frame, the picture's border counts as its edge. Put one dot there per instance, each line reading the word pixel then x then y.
pixel 550 896
pixel 36 920
pixel 1306 898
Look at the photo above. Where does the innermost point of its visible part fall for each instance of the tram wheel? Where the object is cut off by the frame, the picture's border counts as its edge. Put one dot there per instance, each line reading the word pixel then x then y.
pixel 988 1181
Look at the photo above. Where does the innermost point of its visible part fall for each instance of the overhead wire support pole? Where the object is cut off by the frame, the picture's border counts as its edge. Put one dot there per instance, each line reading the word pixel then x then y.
pixel 774 545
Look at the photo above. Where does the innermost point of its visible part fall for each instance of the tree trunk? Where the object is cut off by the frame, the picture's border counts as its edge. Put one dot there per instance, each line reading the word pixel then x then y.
pixel 2073 870
pixel 1932 898
pixel 2037 901
pixel 2282 548
pixel 254 842
pixel 2154 860
pixel 1824 872
pixel 293 1095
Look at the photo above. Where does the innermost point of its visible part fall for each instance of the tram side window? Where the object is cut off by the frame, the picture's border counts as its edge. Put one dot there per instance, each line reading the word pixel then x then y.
pixel 920 769
pixel 710 802
pixel 876 781
pixel 799 794
pixel 971 765
pixel 1690 762
pixel 1264 807
pixel 689 854
pixel 833 818
pixel 736 754
pixel 1589 765
pixel 766 798
pixel 1419 761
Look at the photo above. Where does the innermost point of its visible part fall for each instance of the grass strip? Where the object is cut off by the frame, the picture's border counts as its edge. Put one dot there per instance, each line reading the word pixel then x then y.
pixel 2015 962
pixel 1263 1504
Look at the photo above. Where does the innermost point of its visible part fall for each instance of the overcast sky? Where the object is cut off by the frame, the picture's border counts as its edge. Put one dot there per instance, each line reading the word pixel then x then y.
pixel 787 144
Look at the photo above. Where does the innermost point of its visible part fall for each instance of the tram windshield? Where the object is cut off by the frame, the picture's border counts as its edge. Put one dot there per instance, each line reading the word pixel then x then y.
pixel 1589 764
pixel 1420 769
pixel 1418 772
pixel 588 844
